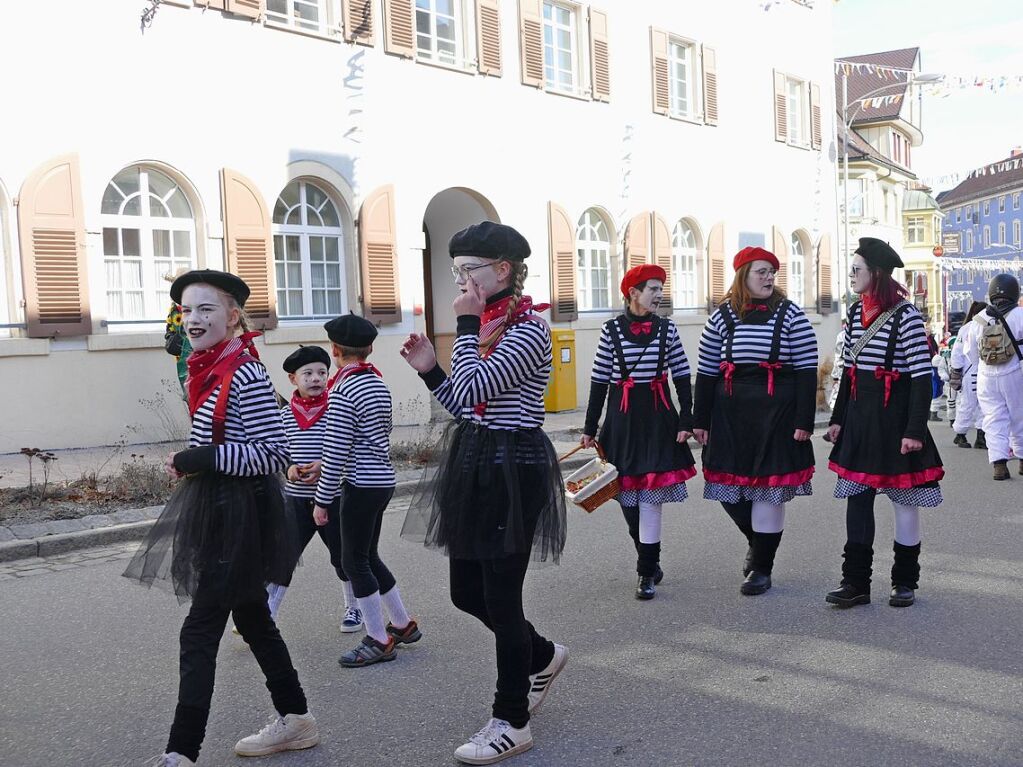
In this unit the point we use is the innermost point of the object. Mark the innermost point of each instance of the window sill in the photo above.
(105, 342)
(577, 95)
(691, 119)
(330, 37)
(468, 68)
(794, 145)
(24, 347)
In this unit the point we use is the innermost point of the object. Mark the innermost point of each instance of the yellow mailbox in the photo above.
(560, 394)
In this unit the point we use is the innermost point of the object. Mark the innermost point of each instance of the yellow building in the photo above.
(921, 223)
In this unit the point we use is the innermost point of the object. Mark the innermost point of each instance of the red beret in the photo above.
(642, 273)
(749, 255)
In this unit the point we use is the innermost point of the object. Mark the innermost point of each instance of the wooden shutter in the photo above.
(716, 264)
(600, 66)
(217, 5)
(399, 28)
(659, 70)
(710, 86)
(561, 239)
(662, 257)
(781, 252)
(815, 116)
(250, 252)
(488, 37)
(51, 225)
(781, 127)
(250, 9)
(825, 299)
(637, 241)
(531, 41)
(378, 255)
(358, 21)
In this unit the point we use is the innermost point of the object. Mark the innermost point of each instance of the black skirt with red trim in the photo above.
(869, 447)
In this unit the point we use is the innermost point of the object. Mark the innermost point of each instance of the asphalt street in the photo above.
(699, 676)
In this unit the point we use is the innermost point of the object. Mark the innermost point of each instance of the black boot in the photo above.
(856, 570)
(961, 441)
(905, 575)
(741, 514)
(1001, 470)
(758, 580)
(981, 442)
(647, 567)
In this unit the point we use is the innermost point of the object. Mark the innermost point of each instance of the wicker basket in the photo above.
(600, 490)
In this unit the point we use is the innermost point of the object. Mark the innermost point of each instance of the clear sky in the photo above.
(969, 127)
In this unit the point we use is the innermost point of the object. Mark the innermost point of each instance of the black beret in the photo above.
(229, 283)
(351, 330)
(489, 240)
(306, 355)
(878, 253)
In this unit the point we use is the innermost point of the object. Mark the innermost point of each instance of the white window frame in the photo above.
(588, 248)
(685, 265)
(305, 231)
(801, 119)
(857, 202)
(1001, 232)
(577, 40)
(959, 215)
(915, 228)
(987, 237)
(694, 83)
(1015, 200)
(153, 287)
(464, 20)
(797, 272)
(969, 240)
(987, 207)
(1001, 204)
(1016, 233)
(328, 23)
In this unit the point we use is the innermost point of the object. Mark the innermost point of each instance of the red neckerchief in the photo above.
(756, 308)
(641, 328)
(208, 368)
(871, 310)
(356, 367)
(308, 410)
(492, 323)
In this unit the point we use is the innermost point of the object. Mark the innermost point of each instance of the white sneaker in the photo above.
(540, 683)
(496, 741)
(284, 733)
(173, 759)
(352, 621)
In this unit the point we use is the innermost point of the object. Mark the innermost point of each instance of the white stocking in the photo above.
(768, 517)
(907, 524)
(649, 522)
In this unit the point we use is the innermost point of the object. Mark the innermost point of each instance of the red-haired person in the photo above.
(879, 426)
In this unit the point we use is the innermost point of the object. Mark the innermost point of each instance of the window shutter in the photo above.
(250, 252)
(710, 86)
(250, 9)
(378, 254)
(662, 257)
(637, 241)
(531, 41)
(561, 239)
(825, 300)
(815, 116)
(488, 37)
(358, 21)
(781, 252)
(659, 70)
(217, 5)
(51, 225)
(600, 65)
(781, 132)
(399, 26)
(716, 264)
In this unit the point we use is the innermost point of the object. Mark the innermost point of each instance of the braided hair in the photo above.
(519, 270)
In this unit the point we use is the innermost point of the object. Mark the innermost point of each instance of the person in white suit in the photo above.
(964, 363)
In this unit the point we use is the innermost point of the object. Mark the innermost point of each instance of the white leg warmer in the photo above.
(768, 517)
(907, 524)
(649, 522)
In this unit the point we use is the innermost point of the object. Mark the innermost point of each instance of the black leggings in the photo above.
(362, 514)
(200, 640)
(330, 533)
(859, 517)
(491, 591)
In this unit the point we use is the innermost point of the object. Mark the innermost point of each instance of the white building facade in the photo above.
(326, 150)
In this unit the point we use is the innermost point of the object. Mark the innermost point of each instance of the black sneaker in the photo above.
(407, 635)
(961, 441)
(370, 651)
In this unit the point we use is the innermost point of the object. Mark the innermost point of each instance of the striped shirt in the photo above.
(752, 342)
(912, 354)
(357, 442)
(641, 359)
(306, 446)
(254, 438)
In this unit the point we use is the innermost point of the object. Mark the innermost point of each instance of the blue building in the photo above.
(986, 212)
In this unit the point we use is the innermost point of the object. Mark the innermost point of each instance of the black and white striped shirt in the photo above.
(912, 354)
(306, 446)
(510, 381)
(641, 359)
(752, 342)
(254, 438)
(357, 442)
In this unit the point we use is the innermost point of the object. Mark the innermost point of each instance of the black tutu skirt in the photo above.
(235, 529)
(642, 440)
(494, 493)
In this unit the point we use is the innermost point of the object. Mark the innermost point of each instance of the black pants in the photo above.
(859, 517)
(330, 533)
(362, 514)
(200, 640)
(491, 590)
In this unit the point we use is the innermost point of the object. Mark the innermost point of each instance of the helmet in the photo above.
(1004, 288)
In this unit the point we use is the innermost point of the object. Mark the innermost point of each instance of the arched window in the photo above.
(593, 251)
(148, 233)
(308, 253)
(797, 271)
(684, 264)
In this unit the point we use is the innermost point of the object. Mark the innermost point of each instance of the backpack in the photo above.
(997, 345)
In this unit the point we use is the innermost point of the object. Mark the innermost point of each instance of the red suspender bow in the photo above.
(852, 380)
(641, 328)
(888, 376)
(727, 368)
(657, 385)
(626, 385)
(771, 367)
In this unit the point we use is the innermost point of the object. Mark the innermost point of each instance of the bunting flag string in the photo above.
(991, 169)
(879, 101)
(941, 88)
(986, 265)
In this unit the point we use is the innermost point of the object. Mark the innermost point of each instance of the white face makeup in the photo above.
(490, 275)
(859, 276)
(646, 301)
(205, 315)
(760, 280)
(310, 380)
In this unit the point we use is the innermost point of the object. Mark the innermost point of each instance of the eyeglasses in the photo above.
(762, 273)
(463, 272)
(853, 271)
